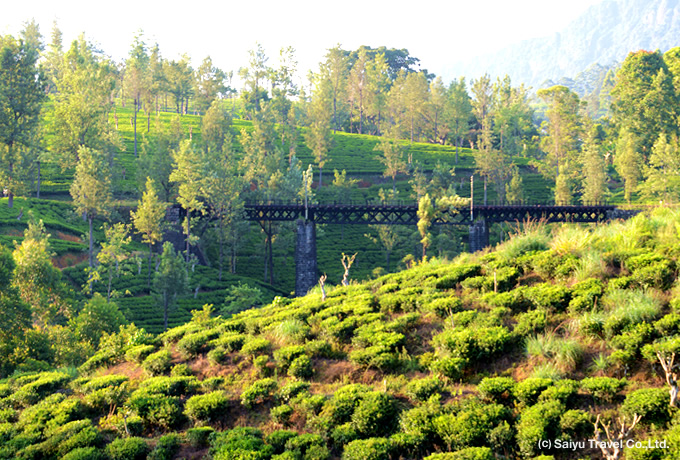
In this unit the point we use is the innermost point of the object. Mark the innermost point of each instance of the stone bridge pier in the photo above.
(479, 235)
(305, 257)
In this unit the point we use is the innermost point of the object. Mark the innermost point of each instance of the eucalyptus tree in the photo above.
(561, 144)
(336, 69)
(22, 92)
(458, 113)
(317, 135)
(148, 220)
(170, 281)
(82, 104)
(210, 84)
(137, 79)
(434, 111)
(180, 82)
(91, 190)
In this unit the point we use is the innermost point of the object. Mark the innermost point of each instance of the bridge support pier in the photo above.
(479, 235)
(305, 257)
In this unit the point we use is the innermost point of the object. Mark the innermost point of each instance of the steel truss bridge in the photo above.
(406, 214)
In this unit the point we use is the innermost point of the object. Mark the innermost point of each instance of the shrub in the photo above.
(281, 414)
(103, 358)
(563, 391)
(497, 389)
(132, 448)
(368, 449)
(198, 437)
(138, 353)
(457, 274)
(98, 383)
(285, 355)
(422, 389)
(292, 389)
(301, 367)
(256, 346)
(530, 322)
(206, 408)
(242, 442)
(449, 367)
(166, 447)
(651, 270)
(528, 390)
(651, 403)
(603, 388)
(180, 370)
(444, 306)
(375, 415)
(548, 296)
(193, 344)
(576, 424)
(470, 426)
(157, 363)
(156, 409)
(217, 355)
(311, 446)
(84, 453)
(258, 392)
(231, 342)
(538, 422)
(469, 453)
(170, 386)
(585, 294)
(278, 439)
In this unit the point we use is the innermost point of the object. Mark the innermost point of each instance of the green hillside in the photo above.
(526, 350)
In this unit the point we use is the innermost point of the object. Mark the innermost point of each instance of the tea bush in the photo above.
(497, 389)
(368, 449)
(206, 408)
(157, 363)
(375, 415)
(538, 422)
(259, 391)
(198, 437)
(301, 368)
(132, 448)
(651, 403)
(421, 390)
(166, 447)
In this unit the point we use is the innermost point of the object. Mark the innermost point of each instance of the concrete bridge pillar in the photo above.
(305, 257)
(479, 235)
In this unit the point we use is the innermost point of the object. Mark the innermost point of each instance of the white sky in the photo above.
(436, 32)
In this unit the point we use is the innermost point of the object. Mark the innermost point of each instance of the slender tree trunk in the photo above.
(165, 311)
(136, 109)
(148, 277)
(221, 246)
(10, 195)
(91, 247)
(37, 192)
(188, 248)
(320, 177)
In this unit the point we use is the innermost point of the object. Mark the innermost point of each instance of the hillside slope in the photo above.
(487, 356)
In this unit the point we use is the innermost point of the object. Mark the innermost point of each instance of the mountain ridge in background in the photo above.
(604, 34)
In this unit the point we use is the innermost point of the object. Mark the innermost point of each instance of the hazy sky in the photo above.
(436, 32)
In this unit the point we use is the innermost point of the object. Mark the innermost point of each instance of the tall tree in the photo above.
(180, 78)
(594, 181)
(156, 160)
(628, 161)
(148, 220)
(318, 134)
(378, 87)
(662, 173)
(336, 70)
(210, 84)
(561, 143)
(644, 98)
(91, 190)
(393, 159)
(434, 111)
(22, 91)
(170, 281)
(187, 173)
(459, 113)
(112, 253)
(254, 79)
(82, 104)
(137, 78)
(358, 86)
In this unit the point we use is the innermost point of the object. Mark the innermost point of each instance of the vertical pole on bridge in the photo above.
(305, 257)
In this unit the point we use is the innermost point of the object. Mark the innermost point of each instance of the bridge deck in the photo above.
(402, 214)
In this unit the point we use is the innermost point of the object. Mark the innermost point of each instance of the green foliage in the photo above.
(192, 344)
(281, 414)
(469, 453)
(244, 441)
(423, 389)
(198, 437)
(166, 447)
(301, 367)
(139, 353)
(497, 389)
(576, 424)
(259, 391)
(256, 346)
(206, 408)
(469, 426)
(530, 322)
(538, 422)
(157, 410)
(132, 448)
(375, 415)
(650, 403)
(528, 390)
(368, 449)
(157, 363)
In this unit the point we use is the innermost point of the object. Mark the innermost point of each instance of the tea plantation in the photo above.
(558, 336)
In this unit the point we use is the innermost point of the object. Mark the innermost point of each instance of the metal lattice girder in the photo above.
(408, 214)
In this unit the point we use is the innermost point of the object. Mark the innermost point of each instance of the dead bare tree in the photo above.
(322, 284)
(664, 352)
(347, 262)
(612, 446)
